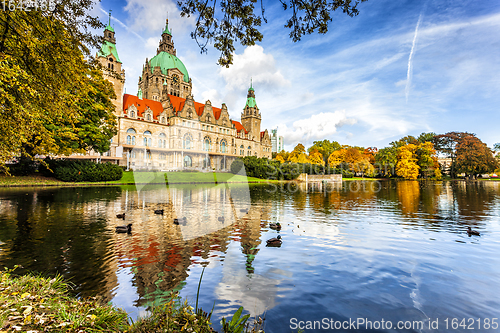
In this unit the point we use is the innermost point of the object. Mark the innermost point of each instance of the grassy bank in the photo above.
(32, 303)
(129, 177)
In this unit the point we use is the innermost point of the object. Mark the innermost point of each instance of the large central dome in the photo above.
(168, 61)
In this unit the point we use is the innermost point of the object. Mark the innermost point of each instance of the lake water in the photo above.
(362, 253)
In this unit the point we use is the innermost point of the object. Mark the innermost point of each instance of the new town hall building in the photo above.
(164, 128)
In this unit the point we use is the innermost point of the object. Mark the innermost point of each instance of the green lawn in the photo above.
(129, 177)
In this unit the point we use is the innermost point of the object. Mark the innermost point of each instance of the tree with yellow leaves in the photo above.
(53, 96)
(336, 158)
(407, 166)
(298, 155)
(315, 157)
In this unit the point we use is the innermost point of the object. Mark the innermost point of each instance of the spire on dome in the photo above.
(251, 96)
(109, 27)
(166, 31)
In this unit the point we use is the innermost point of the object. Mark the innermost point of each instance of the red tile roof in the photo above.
(157, 108)
(239, 126)
(178, 104)
(142, 105)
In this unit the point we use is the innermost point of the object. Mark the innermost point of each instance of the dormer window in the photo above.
(132, 114)
(148, 117)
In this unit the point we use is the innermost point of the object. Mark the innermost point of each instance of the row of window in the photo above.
(187, 143)
(187, 162)
(148, 117)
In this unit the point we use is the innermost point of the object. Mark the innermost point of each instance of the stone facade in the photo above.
(163, 127)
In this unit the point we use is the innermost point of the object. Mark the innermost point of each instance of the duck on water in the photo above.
(471, 232)
(124, 228)
(276, 241)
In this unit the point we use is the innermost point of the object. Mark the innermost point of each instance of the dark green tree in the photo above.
(385, 161)
(228, 21)
(426, 137)
(325, 147)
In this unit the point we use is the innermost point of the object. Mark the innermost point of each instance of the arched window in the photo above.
(187, 143)
(133, 140)
(148, 117)
(132, 114)
(223, 145)
(188, 162)
(162, 142)
(206, 144)
(148, 155)
(206, 163)
(129, 140)
(162, 120)
(147, 138)
(242, 150)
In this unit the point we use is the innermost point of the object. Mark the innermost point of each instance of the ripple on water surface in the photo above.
(397, 251)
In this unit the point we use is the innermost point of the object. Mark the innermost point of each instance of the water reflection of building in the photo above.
(160, 252)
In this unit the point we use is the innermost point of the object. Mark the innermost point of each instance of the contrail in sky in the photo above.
(123, 25)
(410, 59)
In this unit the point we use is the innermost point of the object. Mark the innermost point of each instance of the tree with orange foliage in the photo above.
(474, 157)
(370, 153)
(357, 162)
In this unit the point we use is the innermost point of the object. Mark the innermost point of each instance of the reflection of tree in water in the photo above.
(61, 231)
(409, 196)
(430, 193)
(475, 198)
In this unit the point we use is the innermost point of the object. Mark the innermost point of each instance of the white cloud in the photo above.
(318, 126)
(256, 65)
(213, 96)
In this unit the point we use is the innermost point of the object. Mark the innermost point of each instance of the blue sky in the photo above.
(399, 68)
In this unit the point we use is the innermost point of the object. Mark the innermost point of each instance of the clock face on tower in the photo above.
(175, 78)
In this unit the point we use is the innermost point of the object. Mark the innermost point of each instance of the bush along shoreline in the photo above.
(38, 304)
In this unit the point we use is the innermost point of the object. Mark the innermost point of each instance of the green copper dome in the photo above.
(168, 61)
(251, 103)
(167, 31)
(108, 48)
(110, 28)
